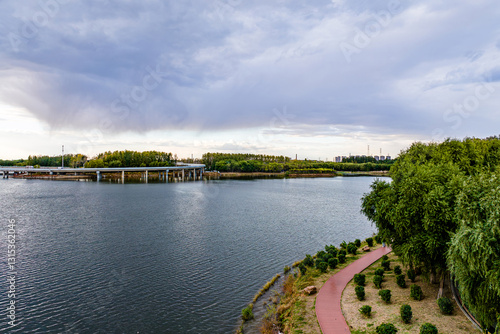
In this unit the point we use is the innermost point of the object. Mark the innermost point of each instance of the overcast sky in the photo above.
(314, 78)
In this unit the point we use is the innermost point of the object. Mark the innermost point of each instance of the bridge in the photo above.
(179, 173)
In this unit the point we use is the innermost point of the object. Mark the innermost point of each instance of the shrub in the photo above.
(352, 249)
(445, 305)
(341, 258)
(327, 257)
(385, 295)
(386, 265)
(369, 241)
(359, 279)
(342, 251)
(380, 272)
(308, 261)
(303, 269)
(332, 251)
(411, 275)
(246, 313)
(385, 258)
(397, 270)
(400, 279)
(322, 266)
(366, 310)
(377, 239)
(320, 254)
(360, 292)
(377, 280)
(386, 329)
(329, 249)
(286, 269)
(357, 242)
(428, 328)
(343, 245)
(416, 292)
(333, 263)
(406, 313)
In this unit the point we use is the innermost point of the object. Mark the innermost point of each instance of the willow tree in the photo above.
(474, 253)
(414, 213)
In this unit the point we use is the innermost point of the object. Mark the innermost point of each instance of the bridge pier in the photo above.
(183, 172)
(123, 176)
(99, 176)
(166, 175)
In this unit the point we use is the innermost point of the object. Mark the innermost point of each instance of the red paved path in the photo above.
(328, 310)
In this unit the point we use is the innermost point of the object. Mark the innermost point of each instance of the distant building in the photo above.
(382, 157)
(338, 159)
(376, 157)
(388, 157)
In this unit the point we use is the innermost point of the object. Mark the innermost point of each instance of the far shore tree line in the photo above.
(222, 162)
(246, 163)
(441, 214)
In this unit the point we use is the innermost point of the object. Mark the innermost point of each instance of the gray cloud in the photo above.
(139, 66)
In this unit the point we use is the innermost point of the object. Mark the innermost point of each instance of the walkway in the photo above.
(328, 309)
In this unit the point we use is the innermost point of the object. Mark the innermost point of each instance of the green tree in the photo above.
(474, 253)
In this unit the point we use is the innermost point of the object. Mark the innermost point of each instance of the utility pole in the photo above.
(62, 156)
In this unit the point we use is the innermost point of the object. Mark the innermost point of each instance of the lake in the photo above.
(99, 257)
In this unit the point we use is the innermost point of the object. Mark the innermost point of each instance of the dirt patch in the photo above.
(424, 311)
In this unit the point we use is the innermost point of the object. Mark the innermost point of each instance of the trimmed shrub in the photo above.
(357, 242)
(386, 265)
(369, 242)
(385, 258)
(377, 280)
(416, 292)
(303, 269)
(397, 270)
(359, 279)
(327, 257)
(343, 245)
(320, 254)
(332, 251)
(386, 328)
(360, 292)
(428, 328)
(400, 279)
(380, 272)
(445, 305)
(366, 310)
(377, 239)
(308, 261)
(385, 295)
(333, 263)
(341, 258)
(352, 249)
(411, 275)
(246, 313)
(343, 251)
(322, 266)
(406, 313)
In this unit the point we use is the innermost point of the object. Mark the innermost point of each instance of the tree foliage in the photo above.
(131, 159)
(474, 253)
(440, 212)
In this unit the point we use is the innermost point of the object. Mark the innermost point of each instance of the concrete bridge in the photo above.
(180, 172)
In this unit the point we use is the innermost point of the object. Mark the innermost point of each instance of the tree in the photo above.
(474, 253)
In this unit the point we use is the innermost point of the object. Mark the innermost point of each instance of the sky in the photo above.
(313, 78)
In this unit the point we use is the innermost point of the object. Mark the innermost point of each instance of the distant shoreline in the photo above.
(282, 175)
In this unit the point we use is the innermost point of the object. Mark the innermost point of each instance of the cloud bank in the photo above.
(386, 67)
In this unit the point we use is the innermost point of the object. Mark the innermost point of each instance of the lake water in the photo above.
(162, 258)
